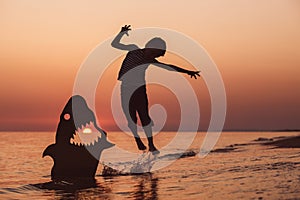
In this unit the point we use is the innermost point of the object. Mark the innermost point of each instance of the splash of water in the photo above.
(142, 164)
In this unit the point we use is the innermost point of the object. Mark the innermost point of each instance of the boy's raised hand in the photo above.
(194, 74)
(125, 29)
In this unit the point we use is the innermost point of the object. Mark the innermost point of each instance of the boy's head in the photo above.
(156, 47)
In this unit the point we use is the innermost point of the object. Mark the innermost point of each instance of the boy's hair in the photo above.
(156, 43)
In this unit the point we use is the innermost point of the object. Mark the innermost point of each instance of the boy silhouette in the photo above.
(133, 87)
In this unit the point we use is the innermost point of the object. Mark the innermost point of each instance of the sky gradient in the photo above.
(255, 44)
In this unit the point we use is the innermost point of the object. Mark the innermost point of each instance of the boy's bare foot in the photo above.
(154, 150)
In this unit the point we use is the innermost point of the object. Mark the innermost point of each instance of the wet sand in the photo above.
(285, 142)
(276, 142)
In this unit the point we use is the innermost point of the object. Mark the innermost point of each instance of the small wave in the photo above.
(19, 190)
(69, 185)
(143, 164)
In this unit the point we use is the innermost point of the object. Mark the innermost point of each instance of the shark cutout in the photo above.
(78, 144)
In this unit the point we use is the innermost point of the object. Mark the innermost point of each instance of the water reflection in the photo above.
(137, 187)
(75, 190)
(99, 192)
(146, 187)
(143, 186)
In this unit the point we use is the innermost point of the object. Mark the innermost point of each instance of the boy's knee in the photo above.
(147, 123)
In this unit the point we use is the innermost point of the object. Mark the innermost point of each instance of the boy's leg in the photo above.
(145, 118)
(148, 132)
(140, 144)
(130, 113)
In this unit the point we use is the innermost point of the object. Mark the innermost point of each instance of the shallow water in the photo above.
(249, 171)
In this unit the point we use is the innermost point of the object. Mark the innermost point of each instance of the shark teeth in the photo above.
(85, 124)
(86, 135)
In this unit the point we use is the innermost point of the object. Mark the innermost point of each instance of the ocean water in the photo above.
(238, 168)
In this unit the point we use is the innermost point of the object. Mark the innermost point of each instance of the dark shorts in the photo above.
(135, 101)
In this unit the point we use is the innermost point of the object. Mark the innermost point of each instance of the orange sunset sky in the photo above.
(255, 44)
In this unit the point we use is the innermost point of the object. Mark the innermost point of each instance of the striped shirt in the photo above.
(134, 67)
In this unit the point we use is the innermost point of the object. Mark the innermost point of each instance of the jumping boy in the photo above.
(133, 87)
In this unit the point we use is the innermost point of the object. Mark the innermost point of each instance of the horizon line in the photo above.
(225, 130)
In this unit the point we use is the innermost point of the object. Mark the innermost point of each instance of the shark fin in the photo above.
(49, 151)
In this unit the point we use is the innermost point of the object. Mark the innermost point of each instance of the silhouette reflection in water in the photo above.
(143, 186)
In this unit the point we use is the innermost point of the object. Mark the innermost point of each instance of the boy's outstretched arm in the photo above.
(170, 67)
(118, 45)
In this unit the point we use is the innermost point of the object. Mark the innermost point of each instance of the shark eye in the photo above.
(67, 116)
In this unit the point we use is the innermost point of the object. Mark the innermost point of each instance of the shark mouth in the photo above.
(86, 135)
